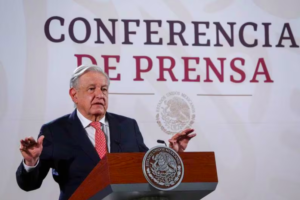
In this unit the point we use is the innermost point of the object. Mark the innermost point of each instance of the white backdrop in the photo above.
(254, 128)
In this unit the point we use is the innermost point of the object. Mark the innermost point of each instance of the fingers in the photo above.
(178, 135)
(173, 145)
(191, 135)
(188, 131)
(185, 133)
(27, 143)
(172, 141)
(24, 143)
(180, 140)
(30, 140)
(22, 148)
(40, 140)
(175, 136)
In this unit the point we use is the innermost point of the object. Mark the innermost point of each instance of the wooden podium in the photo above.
(119, 176)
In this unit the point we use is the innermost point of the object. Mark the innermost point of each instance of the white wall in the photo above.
(255, 137)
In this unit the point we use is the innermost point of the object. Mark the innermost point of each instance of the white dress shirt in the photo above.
(91, 131)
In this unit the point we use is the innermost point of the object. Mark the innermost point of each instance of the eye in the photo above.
(104, 89)
(91, 89)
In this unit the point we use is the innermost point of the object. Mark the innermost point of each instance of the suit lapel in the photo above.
(115, 133)
(80, 136)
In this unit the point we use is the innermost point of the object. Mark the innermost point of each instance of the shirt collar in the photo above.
(86, 122)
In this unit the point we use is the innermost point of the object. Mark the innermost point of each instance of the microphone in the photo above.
(161, 142)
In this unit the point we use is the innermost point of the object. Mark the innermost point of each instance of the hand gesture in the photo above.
(180, 141)
(31, 150)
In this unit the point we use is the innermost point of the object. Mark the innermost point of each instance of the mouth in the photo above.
(98, 104)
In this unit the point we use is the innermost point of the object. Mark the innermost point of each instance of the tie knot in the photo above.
(96, 125)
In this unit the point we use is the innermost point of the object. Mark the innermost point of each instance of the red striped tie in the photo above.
(100, 141)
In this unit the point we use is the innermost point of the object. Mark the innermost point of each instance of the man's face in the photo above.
(91, 95)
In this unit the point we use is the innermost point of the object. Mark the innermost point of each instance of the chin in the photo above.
(98, 112)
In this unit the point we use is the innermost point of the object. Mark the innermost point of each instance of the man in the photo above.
(73, 144)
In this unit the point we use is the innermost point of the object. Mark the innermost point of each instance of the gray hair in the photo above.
(79, 71)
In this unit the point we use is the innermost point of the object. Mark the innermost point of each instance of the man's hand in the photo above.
(31, 150)
(180, 141)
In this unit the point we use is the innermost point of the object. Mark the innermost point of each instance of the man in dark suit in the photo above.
(73, 144)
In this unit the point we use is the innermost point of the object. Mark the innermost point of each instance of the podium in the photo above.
(119, 176)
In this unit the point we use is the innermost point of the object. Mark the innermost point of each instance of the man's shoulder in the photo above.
(61, 121)
(119, 118)
(58, 121)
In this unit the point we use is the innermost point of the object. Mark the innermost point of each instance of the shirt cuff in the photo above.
(30, 168)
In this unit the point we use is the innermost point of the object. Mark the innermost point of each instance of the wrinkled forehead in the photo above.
(92, 78)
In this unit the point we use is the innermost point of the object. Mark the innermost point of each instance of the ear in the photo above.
(73, 95)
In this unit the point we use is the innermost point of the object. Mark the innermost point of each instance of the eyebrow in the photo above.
(95, 84)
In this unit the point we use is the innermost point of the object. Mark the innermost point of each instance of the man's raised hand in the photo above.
(180, 141)
(31, 150)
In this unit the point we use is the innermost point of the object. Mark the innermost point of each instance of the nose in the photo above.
(99, 93)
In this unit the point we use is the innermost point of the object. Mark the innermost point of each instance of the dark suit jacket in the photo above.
(71, 155)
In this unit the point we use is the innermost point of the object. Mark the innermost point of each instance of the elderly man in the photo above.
(72, 145)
